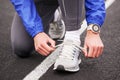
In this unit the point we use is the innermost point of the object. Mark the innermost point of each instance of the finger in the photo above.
(42, 52)
(95, 52)
(43, 49)
(47, 47)
(100, 51)
(90, 52)
(85, 50)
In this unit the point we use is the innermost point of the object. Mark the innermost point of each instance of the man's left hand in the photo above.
(93, 46)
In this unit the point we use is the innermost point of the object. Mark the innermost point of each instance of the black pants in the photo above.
(22, 43)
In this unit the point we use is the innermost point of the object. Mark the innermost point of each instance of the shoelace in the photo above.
(69, 50)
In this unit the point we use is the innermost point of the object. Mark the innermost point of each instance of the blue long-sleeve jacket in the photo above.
(95, 14)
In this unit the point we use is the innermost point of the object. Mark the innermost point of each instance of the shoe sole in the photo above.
(61, 68)
(72, 69)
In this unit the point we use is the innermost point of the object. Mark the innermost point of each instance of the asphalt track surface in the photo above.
(106, 67)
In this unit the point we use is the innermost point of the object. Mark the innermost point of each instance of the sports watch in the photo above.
(94, 28)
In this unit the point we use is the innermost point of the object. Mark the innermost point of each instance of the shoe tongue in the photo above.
(69, 47)
(68, 41)
(71, 42)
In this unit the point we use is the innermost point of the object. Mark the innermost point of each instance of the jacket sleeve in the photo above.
(27, 11)
(95, 11)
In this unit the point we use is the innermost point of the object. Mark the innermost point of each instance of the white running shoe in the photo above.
(68, 59)
(57, 27)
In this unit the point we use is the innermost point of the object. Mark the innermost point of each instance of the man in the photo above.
(30, 30)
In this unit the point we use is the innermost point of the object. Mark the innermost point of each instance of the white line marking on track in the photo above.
(41, 69)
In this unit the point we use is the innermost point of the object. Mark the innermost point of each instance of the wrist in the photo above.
(89, 33)
(38, 34)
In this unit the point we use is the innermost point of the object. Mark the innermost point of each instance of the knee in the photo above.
(22, 51)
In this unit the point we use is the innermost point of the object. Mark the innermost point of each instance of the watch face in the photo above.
(95, 28)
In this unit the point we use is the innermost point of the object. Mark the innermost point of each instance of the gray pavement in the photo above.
(106, 67)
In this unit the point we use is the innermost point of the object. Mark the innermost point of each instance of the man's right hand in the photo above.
(44, 44)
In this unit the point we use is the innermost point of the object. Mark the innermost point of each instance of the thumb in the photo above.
(85, 50)
(52, 43)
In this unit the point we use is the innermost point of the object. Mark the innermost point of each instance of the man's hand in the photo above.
(93, 46)
(44, 44)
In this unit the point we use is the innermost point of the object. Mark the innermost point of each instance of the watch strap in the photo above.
(94, 28)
